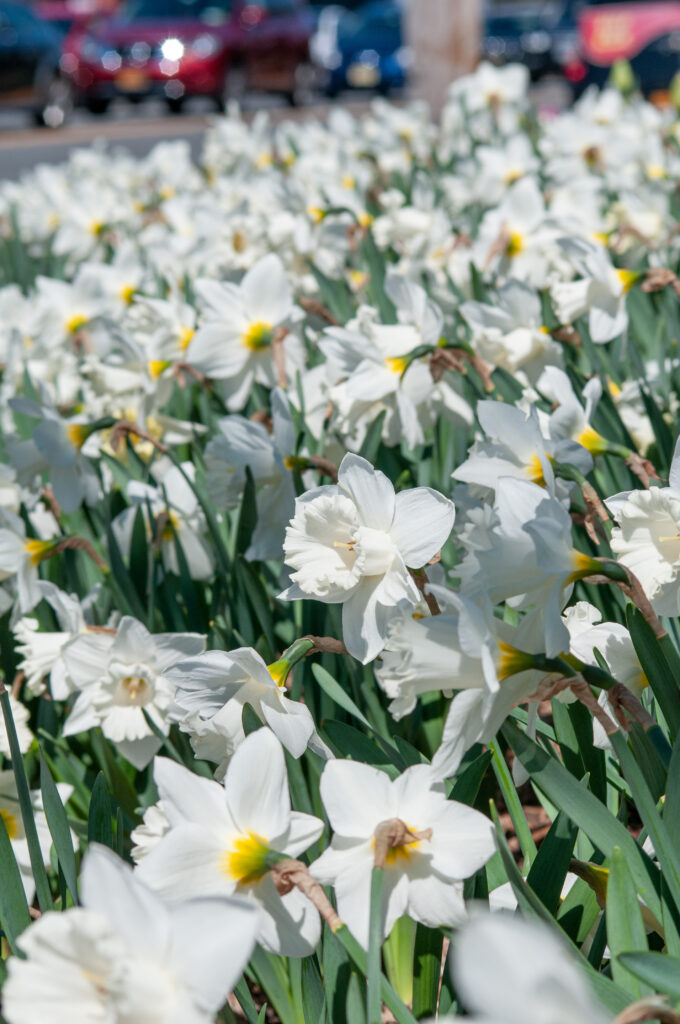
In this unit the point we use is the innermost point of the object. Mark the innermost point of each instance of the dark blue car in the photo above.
(362, 48)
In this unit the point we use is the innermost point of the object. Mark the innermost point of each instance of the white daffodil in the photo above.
(242, 444)
(570, 420)
(526, 556)
(646, 538)
(215, 687)
(445, 842)
(20, 557)
(508, 970)
(12, 820)
(223, 840)
(175, 509)
(353, 544)
(124, 956)
(234, 341)
(510, 333)
(21, 715)
(154, 826)
(41, 650)
(600, 291)
(120, 677)
(55, 448)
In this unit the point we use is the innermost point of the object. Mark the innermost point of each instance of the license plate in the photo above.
(131, 80)
(363, 75)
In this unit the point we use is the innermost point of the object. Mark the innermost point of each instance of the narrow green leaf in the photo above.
(654, 660)
(332, 688)
(247, 518)
(625, 927)
(657, 970)
(551, 865)
(59, 828)
(42, 885)
(14, 915)
(371, 442)
(99, 826)
(571, 796)
(426, 971)
(313, 1001)
(513, 802)
(671, 807)
(373, 969)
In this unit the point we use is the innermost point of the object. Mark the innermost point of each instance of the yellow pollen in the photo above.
(316, 213)
(96, 227)
(514, 174)
(397, 364)
(614, 389)
(584, 565)
(37, 549)
(263, 160)
(512, 661)
(75, 323)
(258, 335)
(365, 219)
(627, 279)
(349, 181)
(592, 441)
(185, 336)
(534, 471)
(515, 244)
(10, 822)
(136, 688)
(239, 241)
(669, 540)
(127, 293)
(246, 861)
(78, 433)
(171, 525)
(349, 546)
(655, 171)
(544, 330)
(404, 851)
(358, 278)
(156, 367)
(167, 192)
(601, 237)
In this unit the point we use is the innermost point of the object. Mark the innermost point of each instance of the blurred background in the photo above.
(77, 62)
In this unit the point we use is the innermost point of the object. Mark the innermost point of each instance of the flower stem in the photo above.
(374, 947)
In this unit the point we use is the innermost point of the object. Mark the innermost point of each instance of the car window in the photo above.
(273, 6)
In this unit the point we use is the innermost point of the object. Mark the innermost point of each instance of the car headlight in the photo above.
(204, 46)
(172, 49)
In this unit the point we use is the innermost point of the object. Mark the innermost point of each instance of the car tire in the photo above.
(57, 103)
(97, 104)
(175, 104)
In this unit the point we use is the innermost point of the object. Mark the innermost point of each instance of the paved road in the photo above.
(138, 128)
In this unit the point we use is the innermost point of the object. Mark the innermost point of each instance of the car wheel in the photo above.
(57, 103)
(97, 104)
(175, 104)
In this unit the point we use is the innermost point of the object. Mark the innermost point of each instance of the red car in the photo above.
(176, 49)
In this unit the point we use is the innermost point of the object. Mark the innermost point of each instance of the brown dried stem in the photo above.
(290, 874)
(123, 428)
(420, 579)
(391, 833)
(326, 645)
(658, 278)
(324, 466)
(315, 308)
(650, 1008)
(79, 544)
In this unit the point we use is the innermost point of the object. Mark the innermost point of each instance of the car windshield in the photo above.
(209, 11)
(363, 27)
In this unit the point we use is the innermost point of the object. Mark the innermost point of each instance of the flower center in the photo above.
(511, 661)
(515, 244)
(37, 549)
(74, 323)
(133, 691)
(584, 565)
(397, 364)
(592, 441)
(246, 861)
(534, 471)
(376, 549)
(186, 334)
(258, 335)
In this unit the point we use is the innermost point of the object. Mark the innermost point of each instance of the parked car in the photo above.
(30, 76)
(362, 48)
(647, 35)
(177, 49)
(543, 36)
(66, 15)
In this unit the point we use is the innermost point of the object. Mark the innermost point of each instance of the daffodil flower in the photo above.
(223, 839)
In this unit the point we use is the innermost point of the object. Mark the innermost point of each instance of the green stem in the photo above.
(374, 948)
(42, 885)
(513, 804)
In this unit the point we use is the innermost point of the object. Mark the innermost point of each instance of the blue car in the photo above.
(362, 48)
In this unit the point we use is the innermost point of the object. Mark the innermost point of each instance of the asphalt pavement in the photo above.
(139, 127)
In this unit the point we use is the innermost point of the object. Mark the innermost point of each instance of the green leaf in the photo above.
(371, 443)
(332, 688)
(671, 807)
(14, 915)
(466, 786)
(657, 970)
(139, 554)
(426, 971)
(313, 1000)
(247, 518)
(551, 865)
(571, 796)
(653, 658)
(99, 827)
(349, 742)
(625, 927)
(59, 828)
